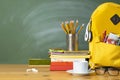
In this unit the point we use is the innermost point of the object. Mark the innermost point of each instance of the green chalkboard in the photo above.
(28, 28)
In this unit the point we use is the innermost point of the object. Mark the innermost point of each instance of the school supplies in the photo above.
(72, 30)
(76, 24)
(105, 22)
(78, 30)
(71, 27)
(62, 60)
(63, 27)
(67, 27)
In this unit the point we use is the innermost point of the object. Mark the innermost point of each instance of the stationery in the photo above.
(71, 27)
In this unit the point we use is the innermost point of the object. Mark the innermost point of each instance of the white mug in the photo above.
(80, 66)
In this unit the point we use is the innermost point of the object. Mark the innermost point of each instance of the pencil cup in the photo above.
(72, 42)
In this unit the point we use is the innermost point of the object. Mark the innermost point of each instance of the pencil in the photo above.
(80, 28)
(67, 27)
(76, 24)
(63, 27)
(72, 27)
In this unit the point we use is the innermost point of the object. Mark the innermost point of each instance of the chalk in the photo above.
(32, 70)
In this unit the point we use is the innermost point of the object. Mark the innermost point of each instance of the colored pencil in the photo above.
(67, 27)
(72, 27)
(80, 28)
(63, 27)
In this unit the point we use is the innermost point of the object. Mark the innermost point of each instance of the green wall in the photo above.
(28, 28)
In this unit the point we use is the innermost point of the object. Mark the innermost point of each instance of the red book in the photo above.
(61, 66)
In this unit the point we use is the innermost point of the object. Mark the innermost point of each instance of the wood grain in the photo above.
(18, 72)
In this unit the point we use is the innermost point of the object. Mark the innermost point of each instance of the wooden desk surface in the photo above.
(18, 72)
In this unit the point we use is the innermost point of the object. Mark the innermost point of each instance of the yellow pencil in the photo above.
(67, 27)
(72, 27)
(63, 27)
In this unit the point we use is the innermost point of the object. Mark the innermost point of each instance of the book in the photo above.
(64, 60)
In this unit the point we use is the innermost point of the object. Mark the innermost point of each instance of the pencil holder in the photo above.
(72, 42)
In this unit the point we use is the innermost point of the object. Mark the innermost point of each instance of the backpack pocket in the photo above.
(106, 54)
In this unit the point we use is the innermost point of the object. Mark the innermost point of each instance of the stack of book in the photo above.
(63, 60)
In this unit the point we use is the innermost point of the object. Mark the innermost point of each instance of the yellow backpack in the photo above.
(102, 32)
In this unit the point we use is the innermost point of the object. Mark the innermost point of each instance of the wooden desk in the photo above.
(18, 72)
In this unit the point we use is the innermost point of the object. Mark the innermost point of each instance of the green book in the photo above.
(39, 62)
